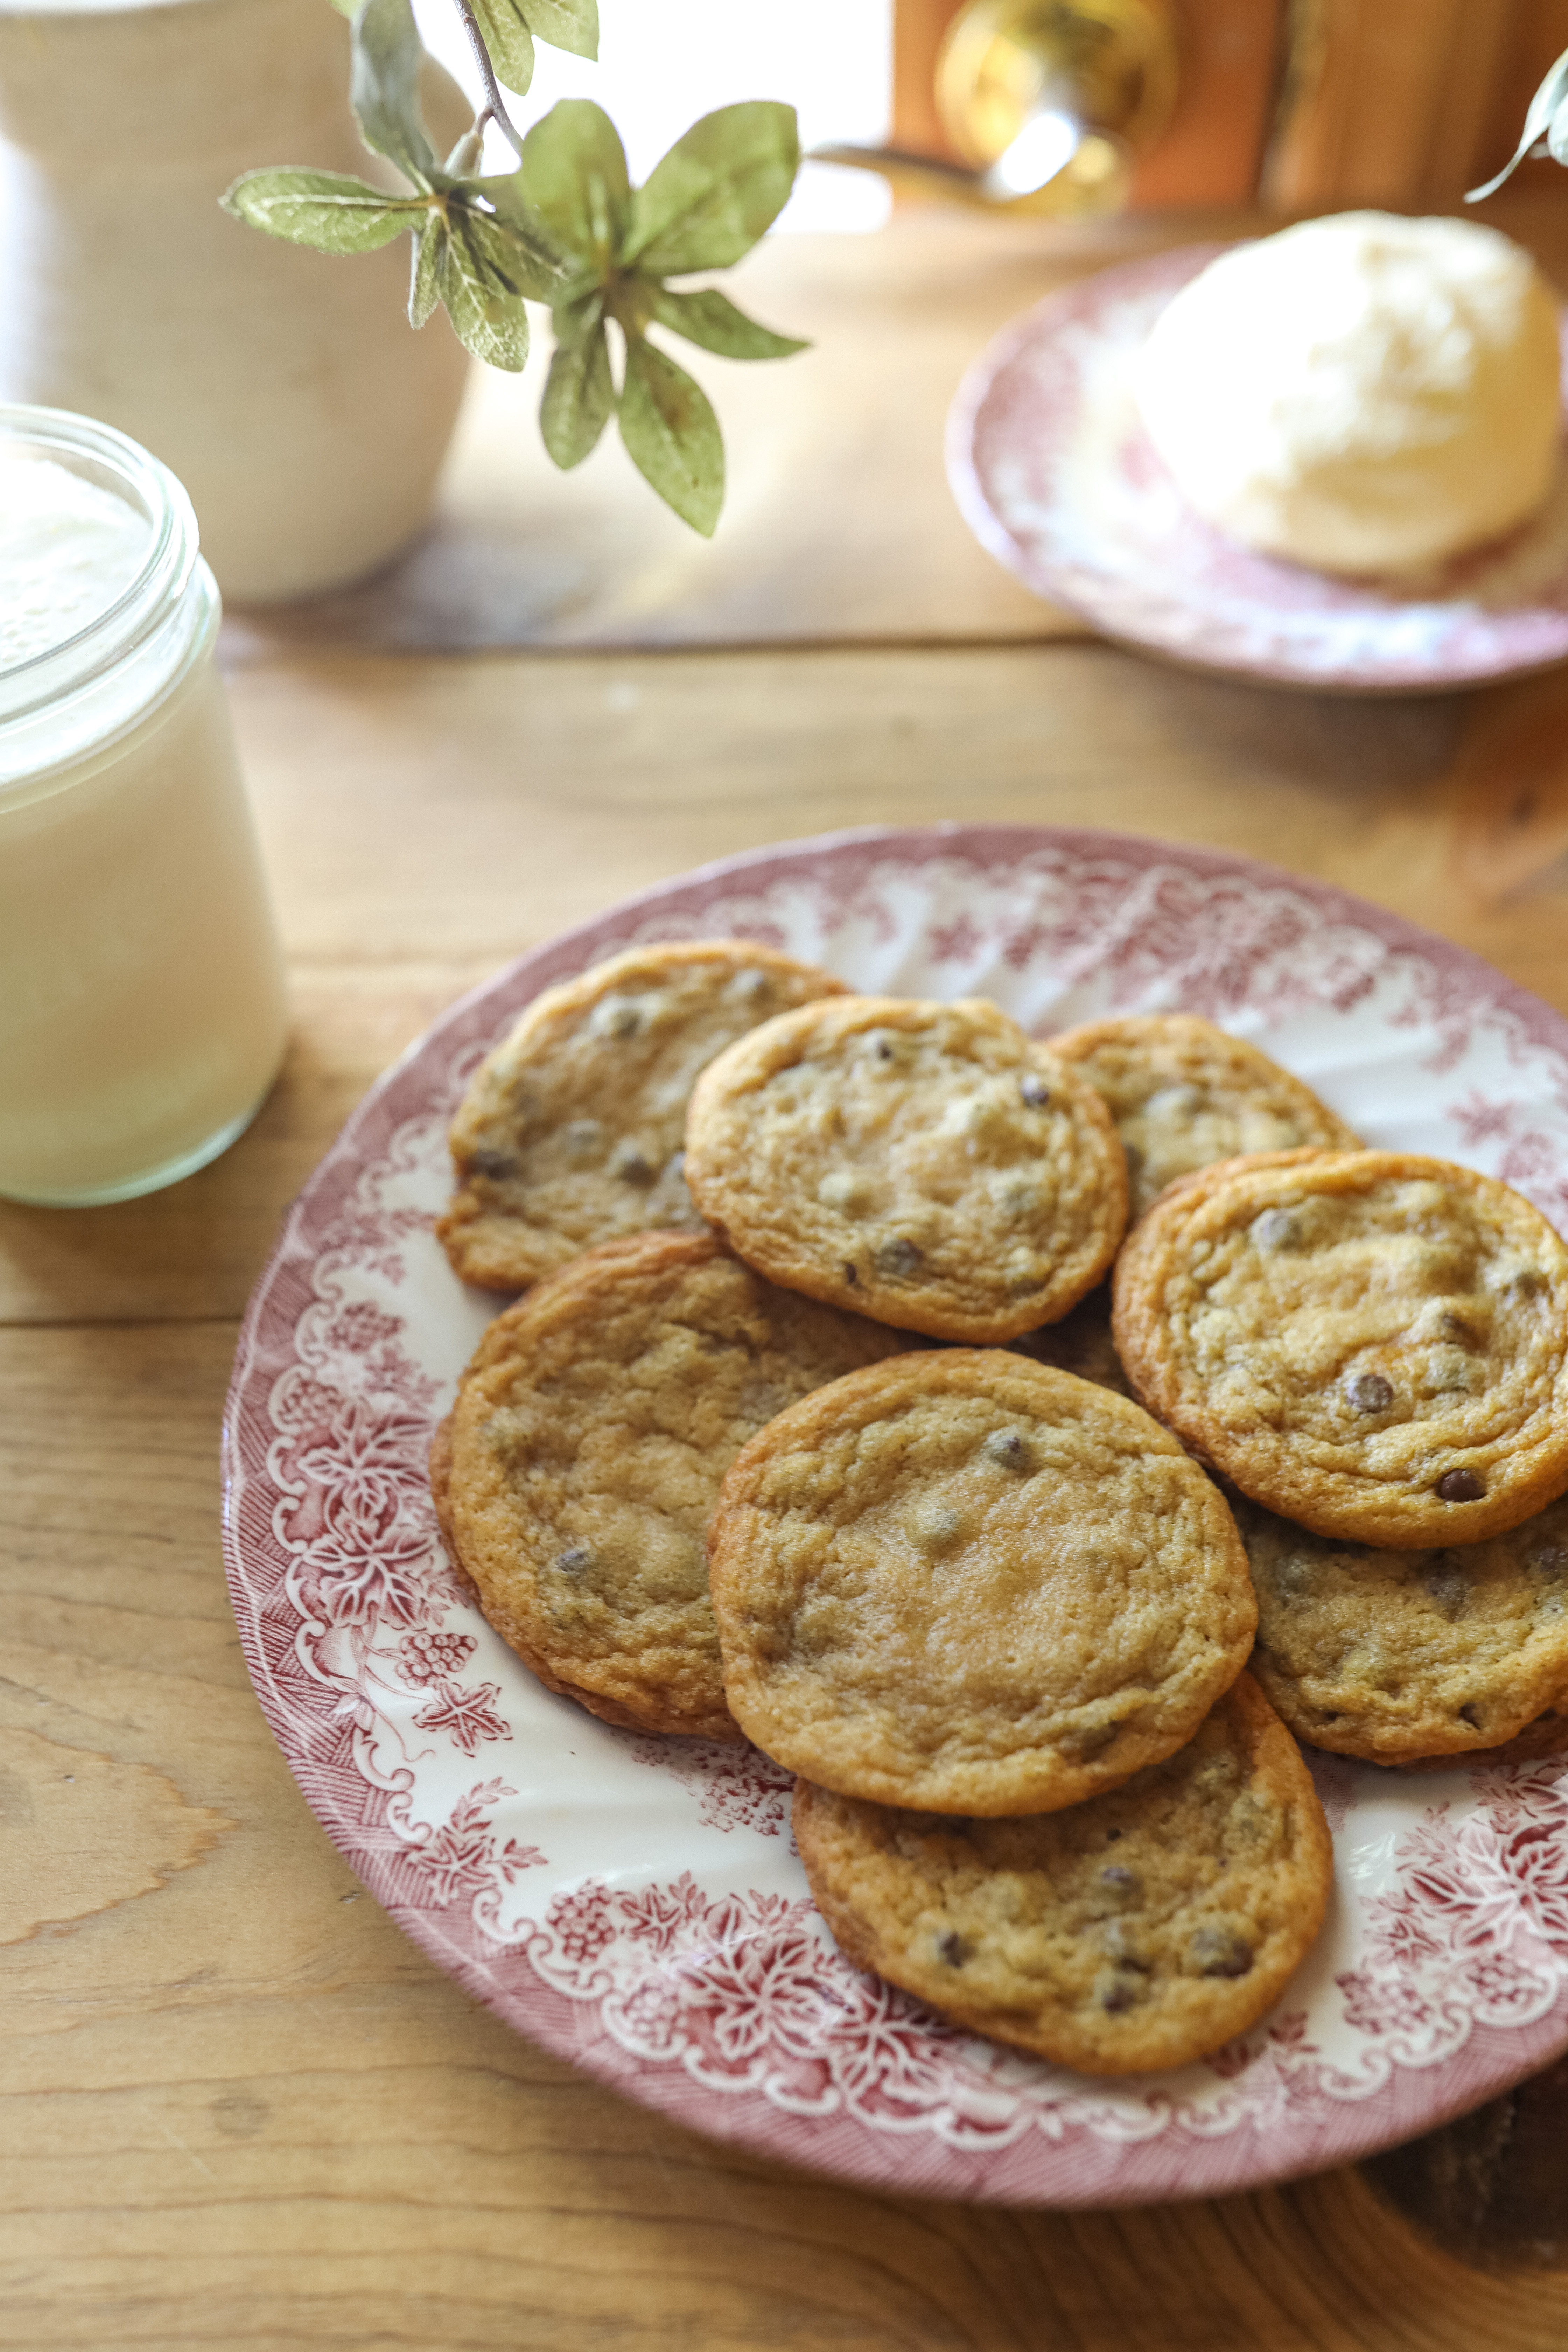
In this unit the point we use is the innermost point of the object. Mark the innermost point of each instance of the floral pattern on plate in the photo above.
(637, 1904)
(1057, 479)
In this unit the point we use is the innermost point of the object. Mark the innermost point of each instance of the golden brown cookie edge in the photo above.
(1273, 1750)
(1137, 1327)
(706, 1166)
(538, 1307)
(493, 1251)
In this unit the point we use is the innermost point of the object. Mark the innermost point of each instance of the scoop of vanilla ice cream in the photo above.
(1362, 393)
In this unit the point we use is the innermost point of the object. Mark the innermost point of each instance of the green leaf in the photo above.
(524, 250)
(483, 297)
(325, 209)
(578, 306)
(425, 269)
(344, 8)
(720, 188)
(573, 180)
(463, 161)
(510, 263)
(1547, 117)
(383, 87)
(504, 29)
(566, 25)
(672, 435)
(711, 320)
(579, 396)
(507, 195)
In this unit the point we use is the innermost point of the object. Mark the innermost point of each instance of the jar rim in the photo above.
(101, 454)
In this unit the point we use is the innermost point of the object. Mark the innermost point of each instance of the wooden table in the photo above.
(241, 2110)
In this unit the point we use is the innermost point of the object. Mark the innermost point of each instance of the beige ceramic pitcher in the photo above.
(283, 387)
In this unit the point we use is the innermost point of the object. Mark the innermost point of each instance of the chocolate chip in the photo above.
(1220, 1952)
(884, 1048)
(953, 1948)
(1114, 1992)
(1527, 1284)
(1034, 1091)
(618, 1019)
(1460, 1486)
(1455, 1328)
(1119, 1943)
(900, 1256)
(573, 1559)
(1124, 1884)
(1273, 1229)
(1112, 1836)
(631, 1166)
(496, 1165)
(850, 1277)
(1472, 1715)
(1007, 1448)
(1370, 1392)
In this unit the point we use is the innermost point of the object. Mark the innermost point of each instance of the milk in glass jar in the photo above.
(142, 1003)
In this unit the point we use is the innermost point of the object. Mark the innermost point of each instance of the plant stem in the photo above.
(494, 108)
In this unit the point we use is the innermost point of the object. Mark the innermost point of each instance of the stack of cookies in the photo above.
(819, 1423)
(1370, 1348)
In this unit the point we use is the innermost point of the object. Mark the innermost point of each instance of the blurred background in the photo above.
(1297, 104)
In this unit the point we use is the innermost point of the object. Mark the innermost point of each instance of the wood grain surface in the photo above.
(837, 520)
(838, 524)
(239, 2110)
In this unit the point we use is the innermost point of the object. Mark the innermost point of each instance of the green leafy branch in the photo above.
(566, 228)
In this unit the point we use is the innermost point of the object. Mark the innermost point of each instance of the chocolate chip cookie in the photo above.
(571, 1132)
(1540, 1742)
(586, 1450)
(967, 1582)
(926, 1163)
(1143, 1929)
(1183, 1095)
(1394, 1655)
(1371, 1343)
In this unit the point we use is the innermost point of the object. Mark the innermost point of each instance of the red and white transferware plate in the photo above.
(635, 1902)
(1057, 479)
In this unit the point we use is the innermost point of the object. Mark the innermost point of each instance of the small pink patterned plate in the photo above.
(635, 1904)
(1057, 479)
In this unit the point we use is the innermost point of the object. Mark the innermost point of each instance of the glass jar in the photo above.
(142, 998)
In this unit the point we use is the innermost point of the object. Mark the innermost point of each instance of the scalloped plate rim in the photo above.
(1038, 576)
(884, 2161)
